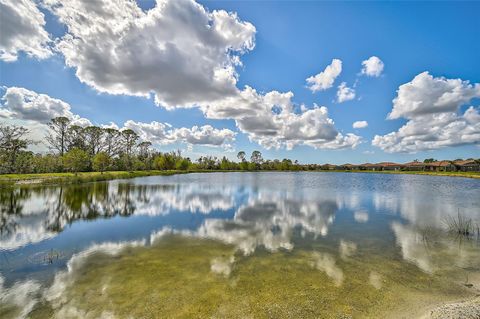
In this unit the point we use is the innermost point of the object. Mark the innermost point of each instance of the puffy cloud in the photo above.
(373, 66)
(324, 80)
(270, 120)
(431, 106)
(427, 95)
(431, 132)
(163, 133)
(22, 29)
(186, 56)
(344, 93)
(178, 50)
(360, 124)
(23, 104)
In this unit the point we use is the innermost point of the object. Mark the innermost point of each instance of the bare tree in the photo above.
(111, 144)
(75, 138)
(93, 139)
(57, 138)
(143, 149)
(129, 141)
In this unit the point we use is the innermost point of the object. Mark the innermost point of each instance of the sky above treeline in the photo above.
(308, 80)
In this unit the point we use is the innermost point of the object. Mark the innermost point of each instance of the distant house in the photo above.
(390, 166)
(467, 166)
(414, 166)
(348, 167)
(371, 167)
(364, 166)
(440, 166)
(329, 167)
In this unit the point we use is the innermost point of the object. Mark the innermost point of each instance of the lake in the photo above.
(259, 245)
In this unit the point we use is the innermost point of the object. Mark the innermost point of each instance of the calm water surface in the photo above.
(262, 245)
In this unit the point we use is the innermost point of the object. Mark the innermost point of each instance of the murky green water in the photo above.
(226, 245)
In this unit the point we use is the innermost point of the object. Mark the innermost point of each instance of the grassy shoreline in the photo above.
(71, 178)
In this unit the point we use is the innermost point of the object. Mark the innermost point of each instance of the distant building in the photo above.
(330, 167)
(440, 166)
(436, 166)
(414, 166)
(349, 167)
(467, 166)
(371, 167)
(390, 166)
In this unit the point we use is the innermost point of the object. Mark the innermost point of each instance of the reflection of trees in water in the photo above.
(11, 203)
(34, 214)
(60, 206)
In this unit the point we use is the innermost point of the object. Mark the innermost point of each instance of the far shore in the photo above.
(81, 177)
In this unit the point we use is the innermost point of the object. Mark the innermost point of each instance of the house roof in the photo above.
(389, 164)
(439, 163)
(414, 164)
(465, 162)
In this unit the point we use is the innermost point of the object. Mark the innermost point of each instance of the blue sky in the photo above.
(292, 42)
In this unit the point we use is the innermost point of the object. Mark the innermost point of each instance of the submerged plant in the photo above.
(461, 225)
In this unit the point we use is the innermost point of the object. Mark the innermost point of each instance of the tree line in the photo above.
(75, 148)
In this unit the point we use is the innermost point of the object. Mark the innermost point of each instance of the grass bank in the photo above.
(71, 178)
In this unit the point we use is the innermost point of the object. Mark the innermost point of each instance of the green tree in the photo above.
(241, 156)
(183, 164)
(101, 162)
(225, 164)
(12, 143)
(164, 161)
(76, 160)
(256, 159)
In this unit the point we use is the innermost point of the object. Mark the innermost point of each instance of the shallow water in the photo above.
(262, 245)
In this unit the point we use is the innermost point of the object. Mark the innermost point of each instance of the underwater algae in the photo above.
(185, 277)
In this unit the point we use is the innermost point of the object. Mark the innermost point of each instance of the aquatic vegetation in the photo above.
(184, 277)
(462, 226)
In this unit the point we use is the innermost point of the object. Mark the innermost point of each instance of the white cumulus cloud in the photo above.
(23, 104)
(163, 134)
(324, 80)
(432, 107)
(373, 67)
(426, 94)
(186, 56)
(271, 121)
(360, 124)
(178, 50)
(22, 29)
(344, 93)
